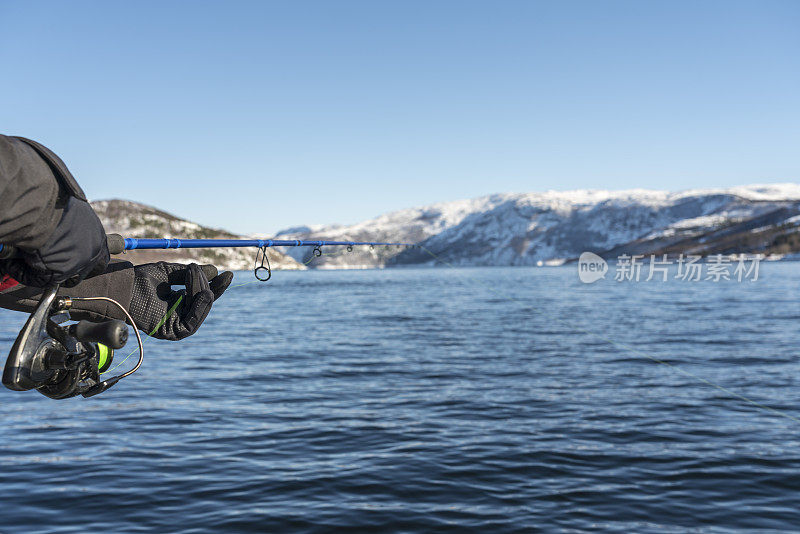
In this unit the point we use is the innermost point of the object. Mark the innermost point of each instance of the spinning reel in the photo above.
(65, 361)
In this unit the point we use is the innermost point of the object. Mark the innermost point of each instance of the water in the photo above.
(432, 400)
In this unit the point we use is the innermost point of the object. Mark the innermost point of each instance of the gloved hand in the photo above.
(153, 297)
(145, 291)
(76, 249)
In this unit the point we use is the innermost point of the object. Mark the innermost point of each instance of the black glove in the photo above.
(153, 297)
(145, 291)
(76, 249)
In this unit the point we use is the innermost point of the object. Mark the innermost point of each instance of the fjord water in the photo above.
(485, 399)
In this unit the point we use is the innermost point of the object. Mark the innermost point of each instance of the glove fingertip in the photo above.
(209, 270)
(220, 283)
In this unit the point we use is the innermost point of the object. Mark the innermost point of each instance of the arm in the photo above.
(44, 213)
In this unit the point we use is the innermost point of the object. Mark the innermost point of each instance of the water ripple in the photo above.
(478, 399)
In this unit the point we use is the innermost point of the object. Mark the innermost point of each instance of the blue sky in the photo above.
(254, 116)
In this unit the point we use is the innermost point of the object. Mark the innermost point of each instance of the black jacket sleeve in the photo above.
(31, 197)
(44, 213)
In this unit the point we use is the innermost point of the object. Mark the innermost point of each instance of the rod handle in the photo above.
(116, 243)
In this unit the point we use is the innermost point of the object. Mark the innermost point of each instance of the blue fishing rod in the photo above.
(262, 271)
(118, 245)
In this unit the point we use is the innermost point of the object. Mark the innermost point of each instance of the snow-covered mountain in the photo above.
(413, 225)
(132, 219)
(513, 229)
(552, 227)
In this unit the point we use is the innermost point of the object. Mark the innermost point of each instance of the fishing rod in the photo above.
(128, 243)
(119, 245)
(66, 361)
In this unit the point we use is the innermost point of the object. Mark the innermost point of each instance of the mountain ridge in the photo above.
(555, 226)
(537, 228)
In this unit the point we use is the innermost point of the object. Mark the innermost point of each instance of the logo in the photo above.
(591, 267)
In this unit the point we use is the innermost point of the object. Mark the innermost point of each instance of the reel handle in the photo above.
(113, 333)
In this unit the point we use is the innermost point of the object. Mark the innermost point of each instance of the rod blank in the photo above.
(141, 244)
(118, 244)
